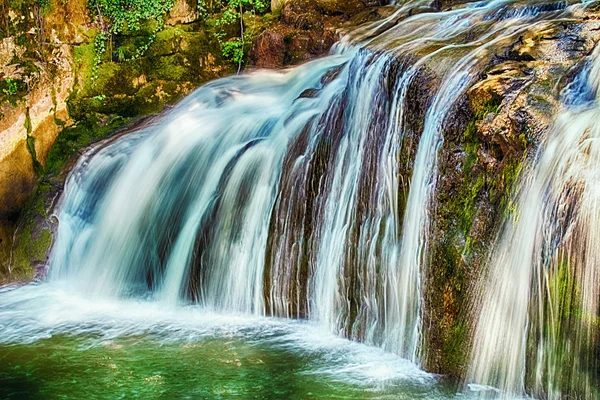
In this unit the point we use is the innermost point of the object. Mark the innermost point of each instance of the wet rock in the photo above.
(500, 122)
(307, 29)
(309, 94)
(302, 14)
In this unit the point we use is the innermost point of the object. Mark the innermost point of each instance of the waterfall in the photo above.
(289, 193)
(540, 306)
(183, 207)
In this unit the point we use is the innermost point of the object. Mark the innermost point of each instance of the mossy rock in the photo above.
(32, 239)
(179, 59)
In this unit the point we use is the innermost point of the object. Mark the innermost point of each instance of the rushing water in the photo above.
(277, 195)
(544, 282)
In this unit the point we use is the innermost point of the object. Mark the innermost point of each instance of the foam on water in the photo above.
(35, 312)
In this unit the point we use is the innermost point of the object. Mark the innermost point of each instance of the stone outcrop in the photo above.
(497, 126)
(36, 77)
(306, 30)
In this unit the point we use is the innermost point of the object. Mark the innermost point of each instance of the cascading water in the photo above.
(301, 167)
(289, 194)
(543, 288)
(196, 193)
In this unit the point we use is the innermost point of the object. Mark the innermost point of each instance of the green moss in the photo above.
(471, 144)
(171, 68)
(168, 41)
(508, 179)
(40, 246)
(467, 217)
(21, 268)
(152, 97)
(9, 86)
(470, 191)
(29, 250)
(12, 91)
(37, 205)
(492, 106)
(180, 59)
(497, 187)
(570, 354)
(73, 138)
(468, 202)
(454, 346)
(83, 57)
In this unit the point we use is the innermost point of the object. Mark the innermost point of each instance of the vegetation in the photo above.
(235, 48)
(466, 217)
(11, 87)
(127, 16)
(131, 17)
(10, 90)
(118, 17)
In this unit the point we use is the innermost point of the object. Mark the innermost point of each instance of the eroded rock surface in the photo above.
(501, 122)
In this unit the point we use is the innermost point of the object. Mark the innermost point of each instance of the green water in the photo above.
(137, 367)
(57, 345)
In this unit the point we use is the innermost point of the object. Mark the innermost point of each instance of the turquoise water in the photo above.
(58, 345)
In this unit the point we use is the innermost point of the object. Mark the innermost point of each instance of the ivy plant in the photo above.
(12, 87)
(125, 16)
(122, 16)
(117, 17)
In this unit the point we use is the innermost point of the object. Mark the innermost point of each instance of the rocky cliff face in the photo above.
(490, 134)
(504, 118)
(36, 77)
